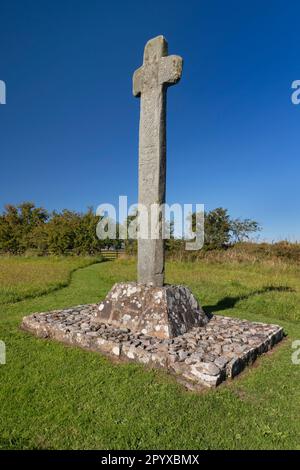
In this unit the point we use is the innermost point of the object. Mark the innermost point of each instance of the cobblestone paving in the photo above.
(205, 355)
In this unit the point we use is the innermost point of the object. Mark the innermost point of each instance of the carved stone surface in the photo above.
(148, 322)
(150, 82)
(164, 312)
(204, 356)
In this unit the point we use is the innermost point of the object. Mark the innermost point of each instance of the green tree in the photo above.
(241, 230)
(220, 230)
(86, 240)
(17, 224)
(62, 229)
(217, 228)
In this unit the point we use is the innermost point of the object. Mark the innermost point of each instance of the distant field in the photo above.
(57, 397)
(27, 277)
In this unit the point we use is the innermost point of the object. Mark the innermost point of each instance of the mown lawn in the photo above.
(21, 277)
(58, 397)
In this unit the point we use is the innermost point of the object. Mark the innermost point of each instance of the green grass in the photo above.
(21, 278)
(59, 397)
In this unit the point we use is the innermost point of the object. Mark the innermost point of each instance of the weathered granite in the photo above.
(205, 355)
(164, 312)
(150, 82)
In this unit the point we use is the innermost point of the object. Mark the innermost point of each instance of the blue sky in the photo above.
(69, 130)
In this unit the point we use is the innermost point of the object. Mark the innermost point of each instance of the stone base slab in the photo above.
(203, 356)
(164, 312)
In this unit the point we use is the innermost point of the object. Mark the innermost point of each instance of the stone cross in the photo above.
(150, 82)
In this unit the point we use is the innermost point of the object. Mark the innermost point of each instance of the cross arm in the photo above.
(170, 69)
(137, 81)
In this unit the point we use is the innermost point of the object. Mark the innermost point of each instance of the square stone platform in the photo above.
(205, 355)
(165, 312)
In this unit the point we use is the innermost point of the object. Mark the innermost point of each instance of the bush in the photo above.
(28, 229)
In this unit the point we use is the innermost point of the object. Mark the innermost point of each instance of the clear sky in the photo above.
(69, 130)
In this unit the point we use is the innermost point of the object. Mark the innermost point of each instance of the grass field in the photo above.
(21, 277)
(57, 397)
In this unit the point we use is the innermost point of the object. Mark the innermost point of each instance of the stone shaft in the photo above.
(150, 83)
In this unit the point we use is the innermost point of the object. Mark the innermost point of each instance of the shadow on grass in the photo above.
(230, 302)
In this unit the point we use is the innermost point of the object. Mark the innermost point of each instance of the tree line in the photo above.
(25, 228)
